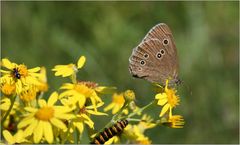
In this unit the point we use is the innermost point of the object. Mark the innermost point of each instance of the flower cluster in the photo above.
(70, 110)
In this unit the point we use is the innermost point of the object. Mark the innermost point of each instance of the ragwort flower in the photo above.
(80, 92)
(19, 137)
(42, 86)
(83, 116)
(5, 104)
(40, 122)
(8, 87)
(117, 103)
(135, 133)
(28, 95)
(69, 69)
(168, 99)
(174, 121)
(20, 74)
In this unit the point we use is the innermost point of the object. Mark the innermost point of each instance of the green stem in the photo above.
(74, 78)
(8, 112)
(134, 119)
(76, 136)
(67, 133)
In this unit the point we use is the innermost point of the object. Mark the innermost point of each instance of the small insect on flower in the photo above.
(108, 133)
(19, 74)
(16, 73)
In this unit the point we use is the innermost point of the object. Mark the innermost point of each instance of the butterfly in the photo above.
(155, 58)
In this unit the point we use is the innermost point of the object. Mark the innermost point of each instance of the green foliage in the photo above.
(206, 35)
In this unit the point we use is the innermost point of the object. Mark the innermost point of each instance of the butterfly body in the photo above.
(155, 58)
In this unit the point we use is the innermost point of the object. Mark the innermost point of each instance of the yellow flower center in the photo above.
(89, 84)
(23, 70)
(45, 113)
(118, 99)
(28, 95)
(8, 89)
(173, 100)
(20, 71)
(87, 92)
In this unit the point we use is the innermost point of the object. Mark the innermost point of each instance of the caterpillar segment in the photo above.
(108, 133)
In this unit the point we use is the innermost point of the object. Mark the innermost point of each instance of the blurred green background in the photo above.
(206, 36)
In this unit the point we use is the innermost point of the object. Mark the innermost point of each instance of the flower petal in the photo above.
(6, 63)
(81, 62)
(161, 96)
(164, 109)
(67, 86)
(116, 109)
(47, 131)
(52, 99)
(35, 69)
(95, 112)
(42, 103)
(38, 132)
(109, 107)
(163, 101)
(25, 122)
(7, 135)
(29, 130)
(19, 136)
(79, 126)
(59, 124)
(30, 109)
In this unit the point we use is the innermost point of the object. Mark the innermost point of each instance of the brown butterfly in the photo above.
(155, 58)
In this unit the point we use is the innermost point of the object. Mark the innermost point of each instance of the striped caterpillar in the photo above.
(108, 133)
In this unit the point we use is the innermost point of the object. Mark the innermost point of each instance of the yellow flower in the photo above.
(168, 100)
(19, 74)
(83, 117)
(146, 123)
(8, 88)
(69, 69)
(28, 95)
(40, 122)
(16, 139)
(174, 121)
(143, 140)
(135, 133)
(5, 104)
(42, 86)
(117, 103)
(113, 140)
(80, 92)
(129, 95)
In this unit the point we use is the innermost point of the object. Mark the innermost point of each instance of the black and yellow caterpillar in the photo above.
(110, 132)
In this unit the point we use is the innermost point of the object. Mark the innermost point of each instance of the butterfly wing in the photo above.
(163, 33)
(153, 61)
